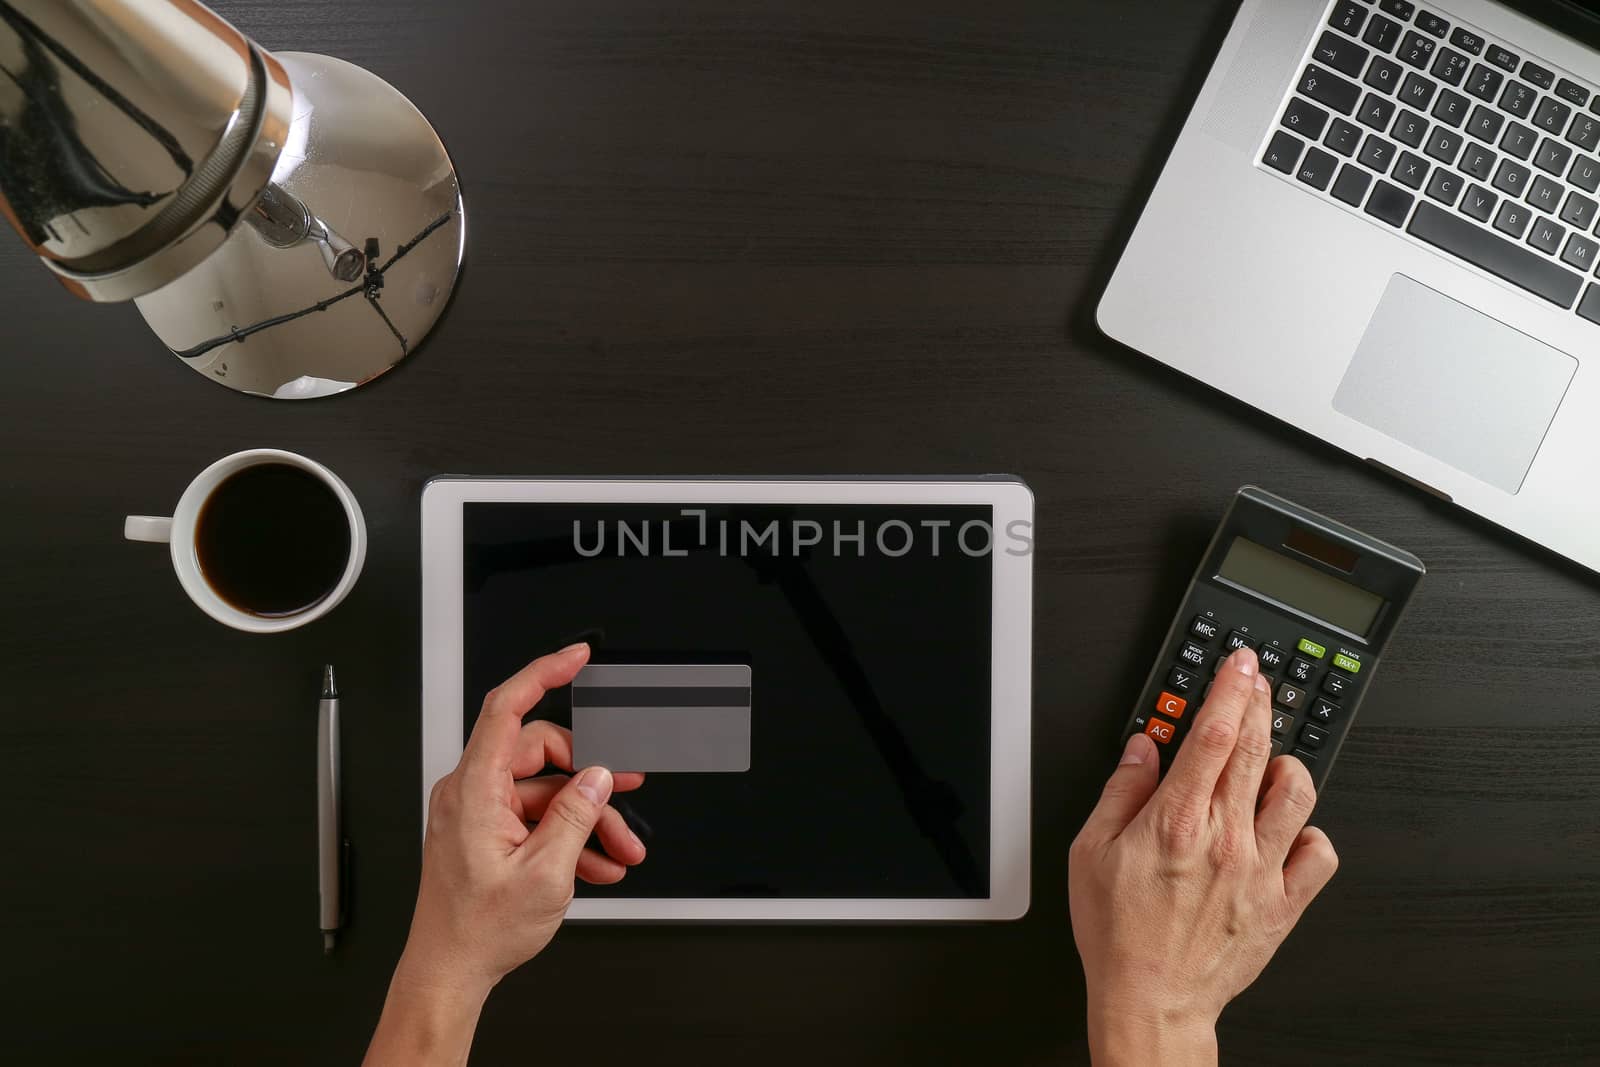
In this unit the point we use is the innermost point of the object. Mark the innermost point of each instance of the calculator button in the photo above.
(1311, 648)
(1204, 628)
(1182, 681)
(1237, 640)
(1282, 722)
(1161, 731)
(1302, 670)
(1217, 665)
(1290, 697)
(1308, 758)
(1337, 685)
(1272, 658)
(1193, 654)
(1311, 737)
(1324, 711)
(1347, 663)
(1171, 704)
(1277, 747)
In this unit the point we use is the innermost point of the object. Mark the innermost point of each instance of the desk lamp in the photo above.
(288, 224)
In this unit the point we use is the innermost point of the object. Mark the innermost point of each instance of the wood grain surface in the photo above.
(740, 237)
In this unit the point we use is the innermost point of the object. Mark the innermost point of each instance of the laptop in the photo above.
(1380, 225)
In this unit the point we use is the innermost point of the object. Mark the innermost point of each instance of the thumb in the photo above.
(567, 823)
(1129, 789)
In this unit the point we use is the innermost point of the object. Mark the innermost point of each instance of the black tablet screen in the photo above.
(867, 632)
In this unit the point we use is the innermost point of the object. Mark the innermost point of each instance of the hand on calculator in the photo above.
(1182, 888)
(495, 889)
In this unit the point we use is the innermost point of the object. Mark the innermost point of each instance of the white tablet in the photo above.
(828, 683)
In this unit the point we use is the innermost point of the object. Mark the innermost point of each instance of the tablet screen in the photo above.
(866, 630)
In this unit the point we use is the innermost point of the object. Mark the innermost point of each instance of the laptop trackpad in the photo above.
(1447, 380)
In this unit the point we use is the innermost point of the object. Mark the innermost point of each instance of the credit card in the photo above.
(691, 718)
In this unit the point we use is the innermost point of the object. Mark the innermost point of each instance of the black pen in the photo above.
(330, 842)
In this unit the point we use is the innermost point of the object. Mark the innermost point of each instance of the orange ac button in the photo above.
(1169, 704)
(1161, 731)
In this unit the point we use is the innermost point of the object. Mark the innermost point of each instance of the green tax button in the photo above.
(1311, 648)
(1345, 663)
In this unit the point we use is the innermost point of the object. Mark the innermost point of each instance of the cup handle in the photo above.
(149, 528)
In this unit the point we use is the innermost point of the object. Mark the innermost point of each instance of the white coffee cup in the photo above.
(179, 532)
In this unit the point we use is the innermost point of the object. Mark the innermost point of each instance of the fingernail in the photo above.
(1262, 685)
(1244, 661)
(636, 840)
(1135, 753)
(595, 785)
(573, 647)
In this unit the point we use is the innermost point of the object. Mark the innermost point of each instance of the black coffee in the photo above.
(272, 540)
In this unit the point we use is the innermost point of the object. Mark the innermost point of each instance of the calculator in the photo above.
(1316, 600)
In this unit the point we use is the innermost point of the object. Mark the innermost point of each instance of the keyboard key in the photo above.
(1518, 99)
(1585, 174)
(1381, 33)
(1451, 108)
(1417, 50)
(1545, 194)
(1376, 112)
(1180, 680)
(1161, 730)
(1291, 697)
(1377, 154)
(1485, 124)
(1485, 82)
(1572, 92)
(1513, 219)
(1417, 92)
(1512, 178)
(1590, 308)
(1192, 654)
(1329, 89)
(1410, 128)
(1283, 152)
(1306, 756)
(1282, 722)
(1204, 628)
(1390, 204)
(1544, 79)
(1301, 671)
(1351, 186)
(1445, 187)
(1348, 16)
(1271, 657)
(1553, 157)
(1343, 137)
(1336, 684)
(1236, 640)
(1444, 146)
(1581, 253)
(1552, 115)
(1383, 75)
(1478, 161)
(1341, 53)
(1503, 259)
(1467, 41)
(1519, 141)
(1323, 710)
(1316, 170)
(1411, 171)
(1579, 212)
(1304, 118)
(1479, 204)
(1503, 58)
(1428, 22)
(1312, 737)
(1450, 66)
(1547, 236)
(1585, 132)
(1400, 9)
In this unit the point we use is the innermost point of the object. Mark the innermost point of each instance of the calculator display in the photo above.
(1297, 585)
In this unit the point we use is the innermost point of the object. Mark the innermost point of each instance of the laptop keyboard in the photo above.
(1465, 143)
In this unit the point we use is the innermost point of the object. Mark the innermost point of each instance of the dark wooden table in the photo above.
(748, 236)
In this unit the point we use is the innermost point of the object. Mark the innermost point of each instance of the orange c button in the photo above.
(1168, 704)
